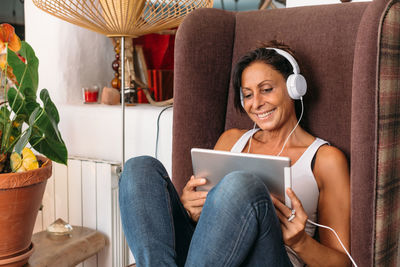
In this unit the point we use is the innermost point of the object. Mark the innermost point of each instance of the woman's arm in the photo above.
(332, 174)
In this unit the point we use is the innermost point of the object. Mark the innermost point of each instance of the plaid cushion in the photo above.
(387, 221)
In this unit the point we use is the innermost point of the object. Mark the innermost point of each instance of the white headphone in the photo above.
(296, 83)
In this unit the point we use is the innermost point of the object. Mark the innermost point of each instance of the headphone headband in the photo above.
(289, 57)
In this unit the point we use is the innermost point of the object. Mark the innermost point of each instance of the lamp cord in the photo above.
(158, 128)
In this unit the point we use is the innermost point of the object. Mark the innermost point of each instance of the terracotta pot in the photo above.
(17, 261)
(20, 199)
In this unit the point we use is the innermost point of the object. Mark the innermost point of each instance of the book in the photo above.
(140, 65)
(161, 84)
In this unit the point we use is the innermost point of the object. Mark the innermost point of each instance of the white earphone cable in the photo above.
(251, 137)
(337, 236)
(301, 116)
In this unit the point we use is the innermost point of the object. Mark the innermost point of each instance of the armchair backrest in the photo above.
(348, 53)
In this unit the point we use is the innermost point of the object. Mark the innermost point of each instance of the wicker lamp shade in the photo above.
(118, 18)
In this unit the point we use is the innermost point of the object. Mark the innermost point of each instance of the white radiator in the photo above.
(86, 194)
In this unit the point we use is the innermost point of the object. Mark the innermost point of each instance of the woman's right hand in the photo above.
(193, 200)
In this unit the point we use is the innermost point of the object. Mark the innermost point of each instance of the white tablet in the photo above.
(214, 165)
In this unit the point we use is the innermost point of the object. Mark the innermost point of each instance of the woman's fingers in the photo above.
(281, 207)
(194, 182)
(296, 203)
(197, 202)
(297, 206)
(194, 195)
(192, 200)
(282, 218)
(284, 213)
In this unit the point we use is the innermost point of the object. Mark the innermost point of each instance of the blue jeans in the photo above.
(237, 227)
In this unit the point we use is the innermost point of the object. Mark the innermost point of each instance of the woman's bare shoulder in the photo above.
(228, 139)
(331, 165)
(330, 156)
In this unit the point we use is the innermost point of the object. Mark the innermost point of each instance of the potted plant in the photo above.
(24, 124)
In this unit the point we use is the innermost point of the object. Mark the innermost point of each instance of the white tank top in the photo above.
(303, 184)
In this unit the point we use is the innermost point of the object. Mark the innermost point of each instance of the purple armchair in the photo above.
(350, 55)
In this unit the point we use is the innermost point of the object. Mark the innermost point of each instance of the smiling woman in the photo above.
(267, 82)
(265, 231)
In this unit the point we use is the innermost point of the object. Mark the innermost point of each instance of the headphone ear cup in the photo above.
(296, 85)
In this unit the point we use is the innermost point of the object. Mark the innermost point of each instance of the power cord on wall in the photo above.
(158, 128)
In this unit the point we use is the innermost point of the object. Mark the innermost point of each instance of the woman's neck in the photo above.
(274, 140)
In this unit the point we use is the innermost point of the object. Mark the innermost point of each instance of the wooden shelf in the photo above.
(62, 251)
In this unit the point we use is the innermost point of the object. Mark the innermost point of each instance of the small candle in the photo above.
(91, 94)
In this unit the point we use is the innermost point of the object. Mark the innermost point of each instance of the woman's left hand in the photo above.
(293, 227)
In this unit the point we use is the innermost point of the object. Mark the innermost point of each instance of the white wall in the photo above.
(70, 57)
(294, 3)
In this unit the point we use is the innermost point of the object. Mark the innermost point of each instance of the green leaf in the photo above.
(53, 149)
(50, 109)
(32, 62)
(26, 73)
(23, 141)
(22, 98)
(46, 137)
(22, 103)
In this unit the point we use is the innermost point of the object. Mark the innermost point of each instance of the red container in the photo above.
(91, 96)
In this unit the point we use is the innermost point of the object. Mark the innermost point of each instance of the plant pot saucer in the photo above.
(19, 260)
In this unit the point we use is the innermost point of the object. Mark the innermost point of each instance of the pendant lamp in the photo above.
(122, 18)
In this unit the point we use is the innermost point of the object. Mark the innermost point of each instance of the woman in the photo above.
(238, 223)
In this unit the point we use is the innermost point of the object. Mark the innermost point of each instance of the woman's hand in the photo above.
(193, 200)
(293, 231)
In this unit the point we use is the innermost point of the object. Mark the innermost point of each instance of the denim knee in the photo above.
(141, 162)
(139, 170)
(239, 188)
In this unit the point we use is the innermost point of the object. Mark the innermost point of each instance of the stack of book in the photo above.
(153, 65)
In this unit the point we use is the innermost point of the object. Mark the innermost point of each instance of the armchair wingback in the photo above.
(350, 55)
